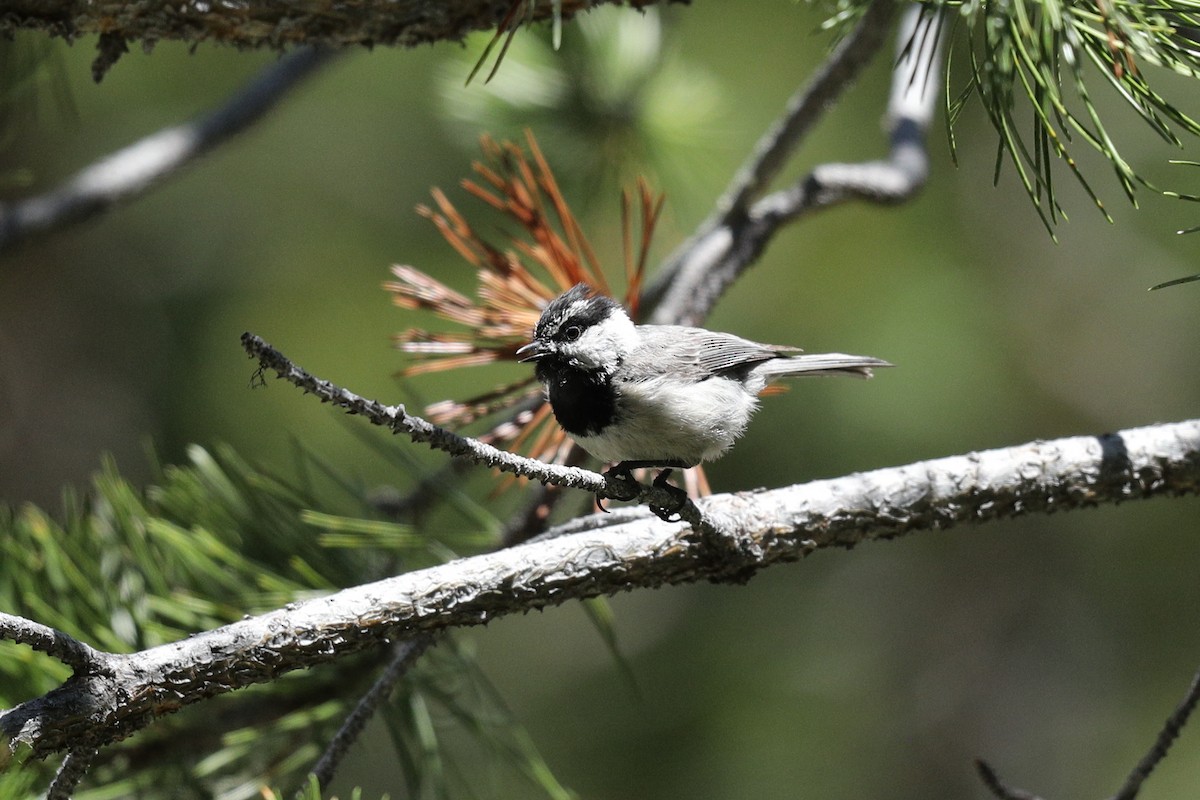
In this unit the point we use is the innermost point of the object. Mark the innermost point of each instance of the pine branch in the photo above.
(398, 420)
(1044, 59)
(770, 527)
(274, 23)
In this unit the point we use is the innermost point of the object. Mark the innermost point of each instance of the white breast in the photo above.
(663, 419)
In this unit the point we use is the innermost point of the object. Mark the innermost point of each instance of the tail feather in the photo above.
(820, 364)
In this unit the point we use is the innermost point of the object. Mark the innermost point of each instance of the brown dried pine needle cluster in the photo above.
(546, 255)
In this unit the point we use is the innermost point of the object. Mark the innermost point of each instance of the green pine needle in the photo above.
(1177, 281)
(1043, 59)
(600, 612)
(123, 568)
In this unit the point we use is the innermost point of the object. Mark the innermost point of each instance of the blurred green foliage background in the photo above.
(1052, 646)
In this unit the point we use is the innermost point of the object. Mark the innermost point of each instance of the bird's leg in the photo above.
(622, 474)
(672, 463)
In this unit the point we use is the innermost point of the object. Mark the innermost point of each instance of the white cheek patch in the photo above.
(604, 346)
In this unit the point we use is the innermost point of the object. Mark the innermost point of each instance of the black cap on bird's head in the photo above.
(565, 318)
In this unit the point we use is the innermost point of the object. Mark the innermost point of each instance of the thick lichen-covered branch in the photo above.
(768, 527)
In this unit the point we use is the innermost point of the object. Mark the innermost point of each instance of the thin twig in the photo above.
(404, 656)
(67, 649)
(1133, 784)
(142, 165)
(1001, 790)
(398, 420)
(74, 766)
(1166, 737)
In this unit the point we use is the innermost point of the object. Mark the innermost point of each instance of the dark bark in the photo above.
(275, 24)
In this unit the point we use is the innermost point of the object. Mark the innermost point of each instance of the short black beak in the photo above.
(533, 351)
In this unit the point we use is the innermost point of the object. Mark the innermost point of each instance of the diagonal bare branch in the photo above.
(1162, 743)
(141, 166)
(404, 655)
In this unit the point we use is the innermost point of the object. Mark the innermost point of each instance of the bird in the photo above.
(657, 396)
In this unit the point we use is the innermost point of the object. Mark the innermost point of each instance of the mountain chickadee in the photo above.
(659, 396)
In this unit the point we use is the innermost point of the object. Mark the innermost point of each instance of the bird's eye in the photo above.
(572, 333)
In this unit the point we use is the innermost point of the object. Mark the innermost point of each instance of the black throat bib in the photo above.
(583, 401)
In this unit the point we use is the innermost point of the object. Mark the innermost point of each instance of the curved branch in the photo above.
(805, 109)
(696, 275)
(143, 164)
(913, 97)
(770, 527)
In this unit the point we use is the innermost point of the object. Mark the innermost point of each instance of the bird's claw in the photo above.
(628, 489)
(679, 499)
(626, 484)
